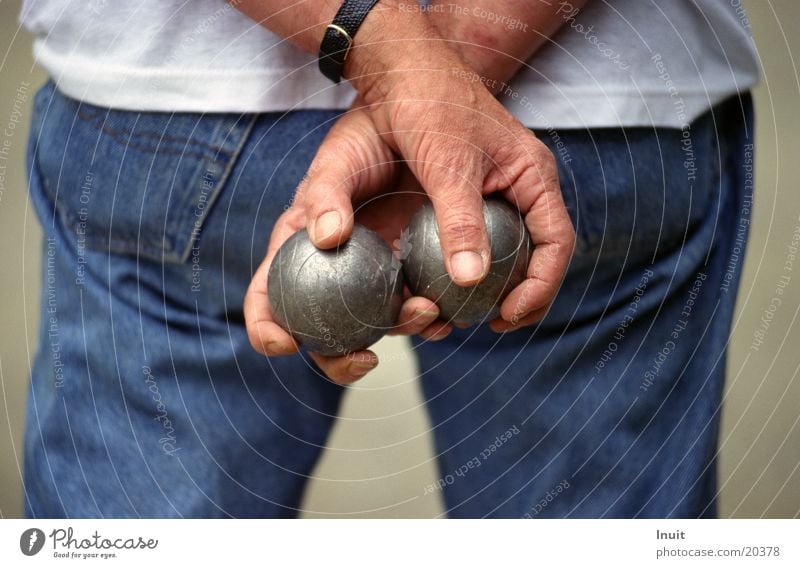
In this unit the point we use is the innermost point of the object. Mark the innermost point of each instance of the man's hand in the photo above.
(432, 109)
(356, 166)
(428, 106)
(353, 165)
(461, 145)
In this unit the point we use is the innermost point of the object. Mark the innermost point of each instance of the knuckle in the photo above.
(336, 373)
(462, 227)
(448, 158)
(414, 328)
(569, 239)
(543, 162)
(549, 171)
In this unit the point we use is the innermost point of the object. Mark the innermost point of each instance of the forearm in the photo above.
(495, 37)
(391, 41)
(302, 22)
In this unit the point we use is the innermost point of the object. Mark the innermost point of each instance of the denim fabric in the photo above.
(147, 400)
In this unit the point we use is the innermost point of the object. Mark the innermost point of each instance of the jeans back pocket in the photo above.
(127, 182)
(637, 192)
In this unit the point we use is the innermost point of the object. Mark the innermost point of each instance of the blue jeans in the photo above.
(146, 399)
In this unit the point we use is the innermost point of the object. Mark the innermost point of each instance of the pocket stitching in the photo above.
(94, 121)
(175, 246)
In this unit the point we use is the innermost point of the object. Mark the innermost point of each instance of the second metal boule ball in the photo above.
(336, 301)
(426, 275)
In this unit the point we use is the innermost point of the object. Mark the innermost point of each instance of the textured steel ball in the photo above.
(340, 300)
(426, 275)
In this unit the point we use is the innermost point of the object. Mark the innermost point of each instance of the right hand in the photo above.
(462, 144)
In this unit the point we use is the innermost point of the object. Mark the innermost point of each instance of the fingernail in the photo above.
(368, 363)
(467, 266)
(496, 327)
(436, 337)
(277, 348)
(327, 224)
(360, 370)
(426, 313)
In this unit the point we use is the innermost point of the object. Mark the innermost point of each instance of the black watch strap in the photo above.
(338, 38)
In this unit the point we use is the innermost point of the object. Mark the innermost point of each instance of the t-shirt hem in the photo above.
(303, 88)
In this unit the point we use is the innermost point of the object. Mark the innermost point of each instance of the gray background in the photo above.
(380, 456)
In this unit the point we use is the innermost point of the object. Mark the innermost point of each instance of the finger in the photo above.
(499, 325)
(554, 238)
(462, 230)
(437, 331)
(416, 315)
(348, 369)
(538, 194)
(351, 164)
(266, 336)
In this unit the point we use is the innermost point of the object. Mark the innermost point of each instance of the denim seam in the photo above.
(189, 198)
(228, 164)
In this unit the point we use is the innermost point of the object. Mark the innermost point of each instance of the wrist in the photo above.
(396, 43)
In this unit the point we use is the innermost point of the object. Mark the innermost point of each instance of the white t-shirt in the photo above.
(615, 63)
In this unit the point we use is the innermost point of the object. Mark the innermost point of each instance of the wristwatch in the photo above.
(338, 38)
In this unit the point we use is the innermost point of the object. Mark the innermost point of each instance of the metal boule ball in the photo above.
(426, 275)
(340, 300)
